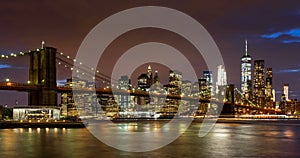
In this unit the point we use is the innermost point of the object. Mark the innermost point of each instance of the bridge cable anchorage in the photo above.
(88, 71)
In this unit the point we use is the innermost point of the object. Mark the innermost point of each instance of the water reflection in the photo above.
(227, 140)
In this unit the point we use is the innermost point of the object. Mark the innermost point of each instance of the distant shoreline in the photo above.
(17, 124)
(79, 124)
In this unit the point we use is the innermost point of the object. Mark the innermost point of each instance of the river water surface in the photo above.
(224, 140)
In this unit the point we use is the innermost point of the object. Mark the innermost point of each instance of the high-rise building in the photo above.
(286, 91)
(269, 88)
(273, 94)
(124, 83)
(208, 76)
(149, 75)
(259, 83)
(78, 104)
(156, 78)
(175, 81)
(173, 88)
(124, 100)
(221, 79)
(145, 80)
(246, 72)
(204, 91)
(142, 82)
(186, 88)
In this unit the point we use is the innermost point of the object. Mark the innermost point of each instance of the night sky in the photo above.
(272, 29)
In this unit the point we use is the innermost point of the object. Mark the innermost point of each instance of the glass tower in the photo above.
(245, 71)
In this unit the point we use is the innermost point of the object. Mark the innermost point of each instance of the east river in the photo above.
(261, 139)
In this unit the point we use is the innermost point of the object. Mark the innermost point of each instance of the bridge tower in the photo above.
(42, 72)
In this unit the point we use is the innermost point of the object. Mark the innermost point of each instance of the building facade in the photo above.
(124, 100)
(208, 77)
(269, 88)
(221, 80)
(246, 73)
(259, 83)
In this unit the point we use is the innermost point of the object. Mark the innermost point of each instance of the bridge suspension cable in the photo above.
(243, 97)
(13, 55)
(85, 70)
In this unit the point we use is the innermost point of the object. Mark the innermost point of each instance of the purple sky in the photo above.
(272, 29)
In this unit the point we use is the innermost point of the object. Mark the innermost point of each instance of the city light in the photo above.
(253, 100)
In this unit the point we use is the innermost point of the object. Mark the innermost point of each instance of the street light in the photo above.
(7, 79)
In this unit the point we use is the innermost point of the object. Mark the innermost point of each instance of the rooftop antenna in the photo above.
(246, 47)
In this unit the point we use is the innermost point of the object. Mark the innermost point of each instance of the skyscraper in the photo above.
(286, 91)
(269, 87)
(124, 100)
(204, 91)
(149, 75)
(173, 88)
(175, 81)
(259, 82)
(221, 78)
(246, 71)
(86, 104)
(186, 88)
(124, 83)
(145, 80)
(208, 76)
(156, 78)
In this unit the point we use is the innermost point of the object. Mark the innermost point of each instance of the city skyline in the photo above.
(272, 36)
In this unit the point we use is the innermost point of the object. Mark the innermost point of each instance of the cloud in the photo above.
(291, 41)
(288, 71)
(288, 36)
(4, 66)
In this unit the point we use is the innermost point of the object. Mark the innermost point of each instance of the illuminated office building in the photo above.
(156, 80)
(186, 88)
(259, 83)
(124, 83)
(286, 91)
(175, 81)
(208, 77)
(204, 91)
(124, 100)
(149, 75)
(269, 88)
(78, 104)
(246, 73)
(145, 80)
(221, 79)
(173, 88)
